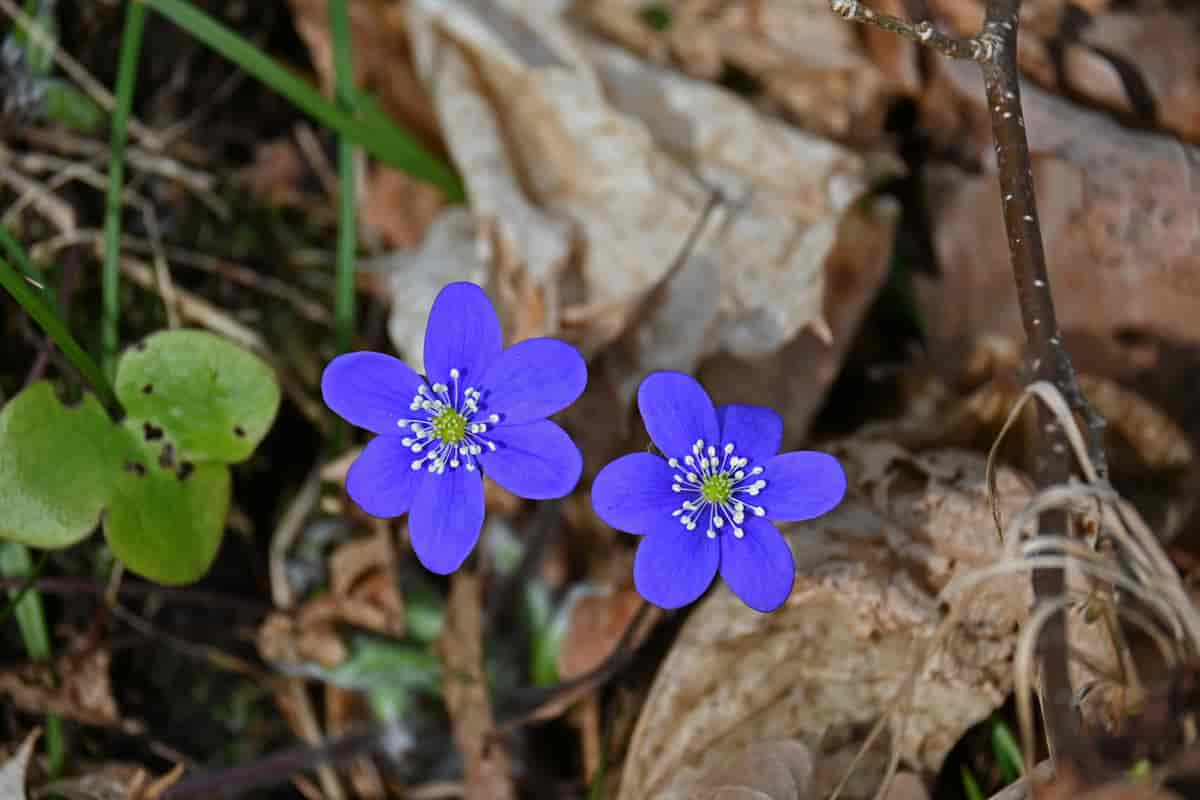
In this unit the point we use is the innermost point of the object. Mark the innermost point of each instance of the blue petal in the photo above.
(801, 485)
(674, 566)
(633, 493)
(536, 460)
(677, 411)
(759, 567)
(446, 519)
(533, 379)
(370, 390)
(382, 480)
(755, 431)
(463, 333)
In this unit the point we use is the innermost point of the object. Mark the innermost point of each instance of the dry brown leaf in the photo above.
(450, 252)
(112, 781)
(596, 625)
(363, 593)
(466, 694)
(826, 666)
(796, 379)
(570, 146)
(767, 770)
(806, 60)
(1120, 217)
(398, 208)
(1137, 58)
(83, 692)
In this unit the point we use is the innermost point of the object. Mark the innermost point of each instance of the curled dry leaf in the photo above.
(83, 692)
(363, 593)
(825, 667)
(612, 191)
(795, 55)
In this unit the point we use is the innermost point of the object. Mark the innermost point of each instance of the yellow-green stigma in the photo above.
(450, 426)
(717, 488)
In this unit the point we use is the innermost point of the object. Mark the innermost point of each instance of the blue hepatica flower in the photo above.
(481, 409)
(708, 504)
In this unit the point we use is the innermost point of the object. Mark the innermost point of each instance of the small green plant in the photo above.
(194, 403)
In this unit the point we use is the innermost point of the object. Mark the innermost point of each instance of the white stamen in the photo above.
(723, 474)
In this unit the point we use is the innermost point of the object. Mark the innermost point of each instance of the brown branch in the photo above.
(995, 49)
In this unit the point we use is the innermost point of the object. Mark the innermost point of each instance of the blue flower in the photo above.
(480, 409)
(708, 504)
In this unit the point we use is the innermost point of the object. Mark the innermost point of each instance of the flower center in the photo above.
(717, 488)
(449, 426)
(717, 485)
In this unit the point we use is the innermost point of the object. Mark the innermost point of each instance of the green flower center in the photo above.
(450, 426)
(717, 488)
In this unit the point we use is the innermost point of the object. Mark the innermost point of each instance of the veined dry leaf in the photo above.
(826, 666)
(572, 147)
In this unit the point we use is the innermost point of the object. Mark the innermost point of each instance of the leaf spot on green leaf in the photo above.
(151, 432)
(239, 431)
(166, 459)
(148, 388)
(186, 468)
(136, 467)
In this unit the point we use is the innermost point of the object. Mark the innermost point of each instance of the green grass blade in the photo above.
(15, 562)
(347, 243)
(970, 785)
(131, 50)
(1007, 751)
(37, 307)
(17, 255)
(391, 145)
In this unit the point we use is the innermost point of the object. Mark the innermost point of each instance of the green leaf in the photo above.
(213, 399)
(389, 672)
(70, 107)
(167, 514)
(57, 466)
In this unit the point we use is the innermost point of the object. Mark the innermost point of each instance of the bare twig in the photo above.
(995, 49)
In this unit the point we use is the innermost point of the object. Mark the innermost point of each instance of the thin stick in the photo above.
(995, 49)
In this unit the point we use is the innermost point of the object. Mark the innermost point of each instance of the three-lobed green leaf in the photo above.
(194, 403)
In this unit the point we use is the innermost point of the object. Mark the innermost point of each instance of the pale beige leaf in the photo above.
(12, 771)
(826, 666)
(449, 253)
